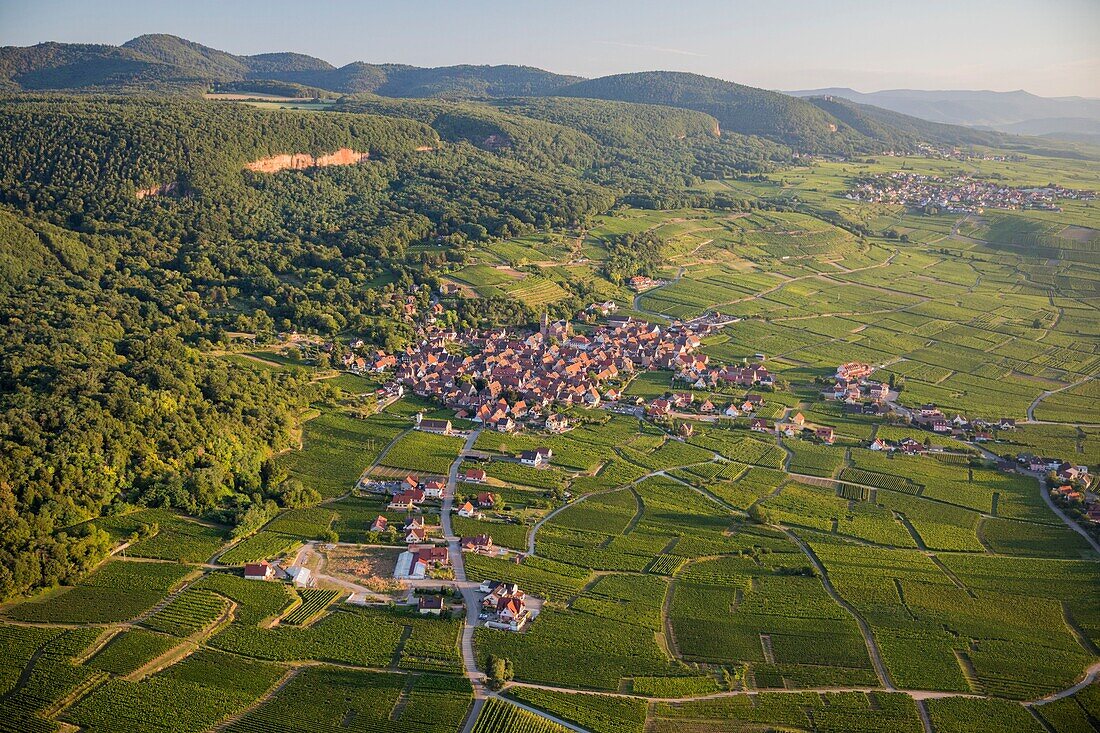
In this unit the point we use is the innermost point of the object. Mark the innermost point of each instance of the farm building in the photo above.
(428, 425)
(258, 571)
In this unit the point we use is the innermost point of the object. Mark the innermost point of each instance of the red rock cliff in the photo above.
(301, 161)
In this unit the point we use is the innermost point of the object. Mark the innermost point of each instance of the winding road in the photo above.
(1046, 498)
(1035, 403)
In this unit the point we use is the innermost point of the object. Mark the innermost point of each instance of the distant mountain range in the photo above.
(1016, 112)
(831, 121)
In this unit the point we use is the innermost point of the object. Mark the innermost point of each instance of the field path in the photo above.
(270, 693)
(868, 637)
(1048, 393)
(1090, 676)
(915, 694)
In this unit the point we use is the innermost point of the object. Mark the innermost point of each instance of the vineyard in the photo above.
(712, 579)
(423, 452)
(502, 717)
(188, 612)
(596, 713)
(314, 602)
(263, 545)
(332, 699)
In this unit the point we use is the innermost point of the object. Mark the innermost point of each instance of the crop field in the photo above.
(331, 699)
(191, 610)
(607, 652)
(176, 538)
(314, 602)
(815, 460)
(740, 448)
(336, 448)
(130, 650)
(854, 712)
(535, 291)
(304, 523)
(771, 619)
(506, 534)
(256, 602)
(597, 713)
(424, 452)
(204, 688)
(499, 716)
(116, 592)
(263, 545)
(517, 473)
(910, 600)
(17, 645)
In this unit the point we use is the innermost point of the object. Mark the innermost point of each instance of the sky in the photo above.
(1050, 48)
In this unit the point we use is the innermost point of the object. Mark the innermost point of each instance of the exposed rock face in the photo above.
(162, 190)
(302, 161)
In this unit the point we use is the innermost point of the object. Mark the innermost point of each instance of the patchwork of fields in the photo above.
(847, 589)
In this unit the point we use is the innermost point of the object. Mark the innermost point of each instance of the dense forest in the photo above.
(163, 63)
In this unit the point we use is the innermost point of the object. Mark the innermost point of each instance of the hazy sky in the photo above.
(1049, 47)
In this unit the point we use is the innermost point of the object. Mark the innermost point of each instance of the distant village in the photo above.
(960, 194)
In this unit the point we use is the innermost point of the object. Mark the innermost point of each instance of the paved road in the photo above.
(1043, 492)
(468, 590)
(1048, 393)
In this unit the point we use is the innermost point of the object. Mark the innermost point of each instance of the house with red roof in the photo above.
(258, 571)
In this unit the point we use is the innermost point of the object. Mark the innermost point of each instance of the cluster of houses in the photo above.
(932, 418)
(959, 194)
(792, 426)
(682, 402)
(297, 575)
(410, 492)
(471, 509)
(506, 379)
(1079, 498)
(504, 606)
(640, 283)
(853, 387)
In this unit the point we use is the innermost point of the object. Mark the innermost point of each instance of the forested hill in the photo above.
(164, 63)
(109, 303)
(167, 63)
(813, 125)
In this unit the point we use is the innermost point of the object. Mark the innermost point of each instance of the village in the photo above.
(959, 194)
(509, 381)
(503, 380)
